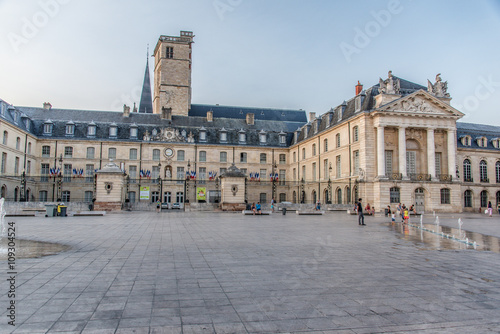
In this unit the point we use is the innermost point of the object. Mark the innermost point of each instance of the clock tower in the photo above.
(172, 80)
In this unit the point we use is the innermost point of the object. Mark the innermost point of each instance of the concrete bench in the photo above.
(34, 210)
(20, 214)
(311, 213)
(89, 213)
(250, 212)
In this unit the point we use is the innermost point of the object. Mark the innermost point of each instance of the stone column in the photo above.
(402, 150)
(380, 152)
(452, 153)
(431, 153)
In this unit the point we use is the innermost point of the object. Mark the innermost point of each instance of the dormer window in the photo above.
(16, 117)
(481, 141)
(27, 124)
(466, 140)
(91, 130)
(242, 136)
(113, 130)
(47, 128)
(495, 142)
(133, 131)
(2, 109)
(262, 137)
(70, 129)
(223, 135)
(282, 137)
(203, 134)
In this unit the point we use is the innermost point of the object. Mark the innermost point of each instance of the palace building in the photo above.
(394, 142)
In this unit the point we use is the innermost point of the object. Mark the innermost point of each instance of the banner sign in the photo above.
(144, 194)
(201, 194)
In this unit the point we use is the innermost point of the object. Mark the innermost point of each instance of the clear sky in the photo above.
(89, 54)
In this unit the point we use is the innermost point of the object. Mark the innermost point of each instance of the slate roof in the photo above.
(271, 121)
(475, 131)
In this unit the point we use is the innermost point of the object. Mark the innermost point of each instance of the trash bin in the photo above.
(91, 207)
(62, 210)
(283, 211)
(386, 211)
(50, 210)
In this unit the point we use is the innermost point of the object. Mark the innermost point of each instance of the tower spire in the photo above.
(146, 104)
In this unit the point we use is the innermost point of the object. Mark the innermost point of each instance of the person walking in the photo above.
(361, 217)
(490, 209)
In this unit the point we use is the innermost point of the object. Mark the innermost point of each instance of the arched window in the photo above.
(467, 171)
(498, 198)
(18, 143)
(314, 149)
(483, 171)
(3, 192)
(355, 134)
(497, 171)
(339, 196)
(337, 140)
(468, 199)
(445, 196)
(303, 153)
(394, 195)
(484, 198)
(294, 197)
(313, 196)
(325, 145)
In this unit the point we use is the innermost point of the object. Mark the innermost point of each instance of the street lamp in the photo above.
(217, 190)
(330, 184)
(160, 183)
(59, 179)
(273, 177)
(186, 182)
(302, 193)
(23, 187)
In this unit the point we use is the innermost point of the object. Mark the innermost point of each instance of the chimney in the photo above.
(210, 116)
(47, 106)
(359, 88)
(135, 108)
(312, 116)
(166, 113)
(126, 110)
(250, 119)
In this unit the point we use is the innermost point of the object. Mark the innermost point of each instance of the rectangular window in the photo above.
(113, 131)
(156, 154)
(314, 171)
(45, 173)
(325, 145)
(243, 157)
(112, 153)
(411, 161)
(131, 196)
(169, 52)
(263, 174)
(294, 157)
(42, 196)
(202, 174)
(179, 197)
(263, 198)
(68, 172)
(223, 156)
(303, 172)
(132, 172)
(180, 155)
(326, 171)
(68, 152)
(337, 137)
(180, 174)
(90, 152)
(70, 129)
(282, 159)
(16, 166)
(203, 156)
(18, 143)
(281, 176)
(89, 173)
(45, 151)
(394, 195)
(133, 154)
(47, 129)
(4, 162)
(263, 158)
(445, 196)
(356, 162)
(438, 163)
(388, 163)
(338, 167)
(91, 131)
(88, 196)
(28, 167)
(294, 174)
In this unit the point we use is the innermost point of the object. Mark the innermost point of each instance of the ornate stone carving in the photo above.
(390, 85)
(166, 135)
(190, 138)
(439, 88)
(416, 105)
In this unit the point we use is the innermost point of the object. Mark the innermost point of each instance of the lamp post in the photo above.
(160, 183)
(330, 184)
(59, 179)
(302, 193)
(186, 182)
(217, 190)
(22, 195)
(273, 177)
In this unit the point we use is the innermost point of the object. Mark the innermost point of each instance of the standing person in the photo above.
(490, 209)
(398, 209)
(158, 206)
(361, 217)
(272, 204)
(406, 215)
(498, 207)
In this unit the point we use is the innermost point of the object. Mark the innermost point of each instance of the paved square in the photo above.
(178, 272)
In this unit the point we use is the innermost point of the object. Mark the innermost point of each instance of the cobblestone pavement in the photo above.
(176, 272)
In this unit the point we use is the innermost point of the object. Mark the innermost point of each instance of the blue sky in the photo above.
(281, 54)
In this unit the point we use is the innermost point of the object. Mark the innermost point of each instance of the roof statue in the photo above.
(391, 85)
(438, 89)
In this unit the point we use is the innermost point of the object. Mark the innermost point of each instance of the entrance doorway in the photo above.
(419, 200)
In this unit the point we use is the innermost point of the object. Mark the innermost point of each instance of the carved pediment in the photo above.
(166, 135)
(423, 103)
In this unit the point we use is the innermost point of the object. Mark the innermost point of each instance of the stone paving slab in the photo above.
(176, 272)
